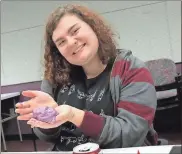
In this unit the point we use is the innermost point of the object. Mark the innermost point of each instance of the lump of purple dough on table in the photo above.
(45, 114)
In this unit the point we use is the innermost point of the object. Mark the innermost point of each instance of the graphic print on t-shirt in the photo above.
(91, 95)
(71, 90)
(82, 95)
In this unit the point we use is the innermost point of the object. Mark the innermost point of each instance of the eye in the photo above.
(75, 31)
(61, 42)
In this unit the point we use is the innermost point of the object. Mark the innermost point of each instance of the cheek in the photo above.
(66, 55)
(63, 52)
(95, 43)
(94, 38)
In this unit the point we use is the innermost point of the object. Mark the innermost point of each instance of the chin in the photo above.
(82, 59)
(80, 62)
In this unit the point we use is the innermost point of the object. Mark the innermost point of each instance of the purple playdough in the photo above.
(45, 114)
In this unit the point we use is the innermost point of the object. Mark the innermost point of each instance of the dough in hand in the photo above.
(45, 114)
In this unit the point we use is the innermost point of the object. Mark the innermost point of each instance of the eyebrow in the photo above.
(58, 39)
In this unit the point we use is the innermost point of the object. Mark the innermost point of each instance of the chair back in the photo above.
(162, 70)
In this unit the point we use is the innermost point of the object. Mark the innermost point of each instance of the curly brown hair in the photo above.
(57, 68)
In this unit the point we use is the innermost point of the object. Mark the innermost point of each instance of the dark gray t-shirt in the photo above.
(86, 94)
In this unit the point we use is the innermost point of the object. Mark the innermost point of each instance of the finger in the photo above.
(35, 123)
(19, 105)
(31, 122)
(23, 111)
(25, 104)
(32, 126)
(25, 117)
(31, 93)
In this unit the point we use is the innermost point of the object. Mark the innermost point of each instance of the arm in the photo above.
(47, 134)
(136, 108)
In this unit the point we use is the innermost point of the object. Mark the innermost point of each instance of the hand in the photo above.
(38, 99)
(65, 113)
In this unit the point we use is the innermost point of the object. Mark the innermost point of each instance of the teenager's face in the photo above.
(75, 40)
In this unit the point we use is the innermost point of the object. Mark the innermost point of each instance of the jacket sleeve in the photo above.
(135, 109)
(47, 134)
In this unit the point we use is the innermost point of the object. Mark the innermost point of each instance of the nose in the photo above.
(72, 41)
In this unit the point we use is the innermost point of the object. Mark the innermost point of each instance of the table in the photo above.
(9, 95)
(165, 149)
(9, 116)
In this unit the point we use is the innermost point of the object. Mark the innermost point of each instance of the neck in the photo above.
(94, 68)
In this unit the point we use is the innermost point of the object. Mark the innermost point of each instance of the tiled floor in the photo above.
(27, 145)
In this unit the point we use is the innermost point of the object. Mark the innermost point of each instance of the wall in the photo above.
(151, 29)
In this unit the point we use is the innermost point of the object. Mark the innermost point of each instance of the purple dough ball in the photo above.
(45, 114)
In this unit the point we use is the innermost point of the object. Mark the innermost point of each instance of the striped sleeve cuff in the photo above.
(92, 124)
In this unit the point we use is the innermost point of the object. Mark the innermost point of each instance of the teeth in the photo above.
(79, 49)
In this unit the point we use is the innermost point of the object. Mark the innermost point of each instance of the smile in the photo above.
(79, 49)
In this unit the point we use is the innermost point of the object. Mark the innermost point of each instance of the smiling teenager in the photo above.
(101, 94)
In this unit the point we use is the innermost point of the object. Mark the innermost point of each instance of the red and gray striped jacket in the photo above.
(134, 95)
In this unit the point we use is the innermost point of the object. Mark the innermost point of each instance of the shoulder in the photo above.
(47, 86)
(130, 68)
(123, 53)
(126, 57)
(125, 61)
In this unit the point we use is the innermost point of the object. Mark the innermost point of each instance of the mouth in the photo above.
(79, 49)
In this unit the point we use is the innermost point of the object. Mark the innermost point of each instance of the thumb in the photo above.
(60, 117)
(31, 93)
